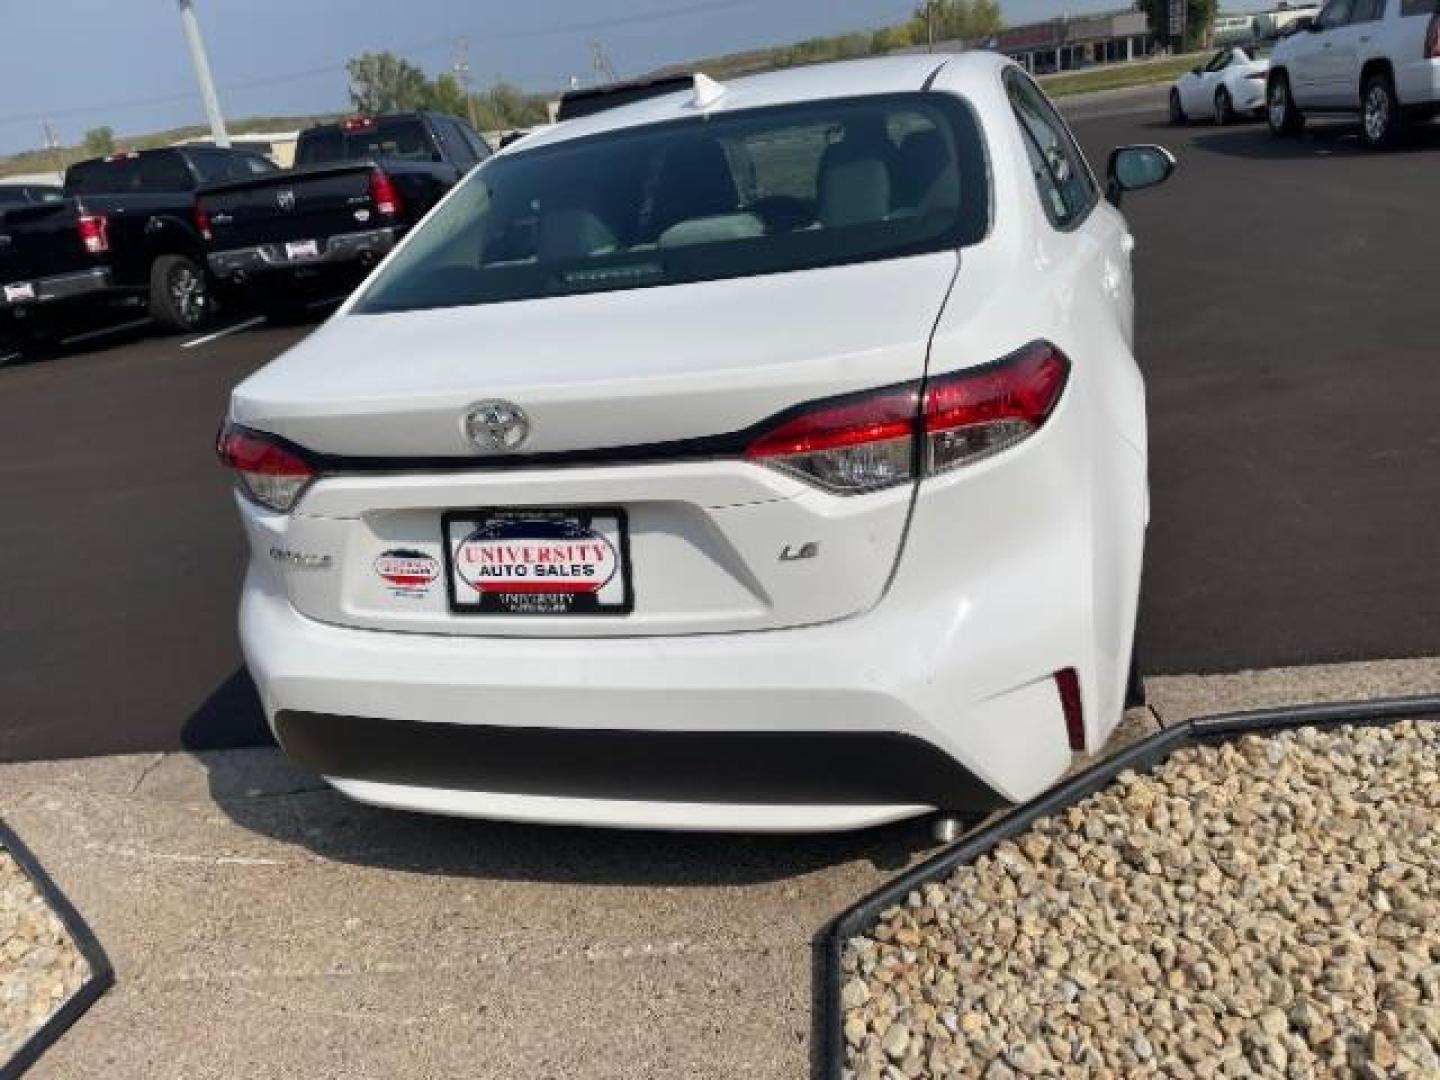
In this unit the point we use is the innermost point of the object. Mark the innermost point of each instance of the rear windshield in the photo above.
(398, 138)
(734, 195)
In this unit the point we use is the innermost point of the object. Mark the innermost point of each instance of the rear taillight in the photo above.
(269, 471)
(976, 413)
(201, 216)
(1432, 38)
(94, 230)
(869, 441)
(848, 445)
(383, 195)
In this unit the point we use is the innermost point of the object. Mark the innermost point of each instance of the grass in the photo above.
(1120, 76)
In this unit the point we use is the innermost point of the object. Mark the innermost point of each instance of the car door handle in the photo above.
(1365, 38)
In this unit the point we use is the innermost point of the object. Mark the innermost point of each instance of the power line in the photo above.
(703, 7)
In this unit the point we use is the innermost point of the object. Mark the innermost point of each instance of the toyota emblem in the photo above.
(495, 427)
(285, 199)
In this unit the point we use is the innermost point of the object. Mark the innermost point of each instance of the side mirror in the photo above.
(1314, 26)
(1195, 70)
(1134, 167)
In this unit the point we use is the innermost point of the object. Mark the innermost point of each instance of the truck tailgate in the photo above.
(289, 206)
(40, 241)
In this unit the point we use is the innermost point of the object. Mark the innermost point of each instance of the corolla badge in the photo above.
(495, 427)
(285, 199)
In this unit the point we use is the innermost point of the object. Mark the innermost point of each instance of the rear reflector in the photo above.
(1068, 683)
(383, 195)
(202, 220)
(865, 442)
(94, 230)
(268, 470)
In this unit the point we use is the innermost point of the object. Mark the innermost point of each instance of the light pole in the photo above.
(191, 26)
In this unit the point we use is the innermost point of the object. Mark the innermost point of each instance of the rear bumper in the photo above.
(342, 249)
(17, 295)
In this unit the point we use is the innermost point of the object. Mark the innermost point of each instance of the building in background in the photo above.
(278, 146)
(1082, 41)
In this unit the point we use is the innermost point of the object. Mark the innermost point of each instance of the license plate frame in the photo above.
(467, 536)
(300, 250)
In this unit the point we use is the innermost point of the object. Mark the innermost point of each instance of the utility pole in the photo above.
(52, 143)
(930, 25)
(201, 63)
(462, 76)
(600, 61)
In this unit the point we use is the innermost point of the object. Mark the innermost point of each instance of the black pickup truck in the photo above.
(123, 236)
(357, 186)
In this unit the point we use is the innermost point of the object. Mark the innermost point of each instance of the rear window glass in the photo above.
(407, 139)
(734, 195)
(103, 177)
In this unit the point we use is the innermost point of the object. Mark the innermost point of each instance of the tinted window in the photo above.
(1419, 7)
(739, 194)
(1067, 188)
(1219, 61)
(454, 142)
(394, 138)
(164, 172)
(1367, 10)
(103, 177)
(1335, 13)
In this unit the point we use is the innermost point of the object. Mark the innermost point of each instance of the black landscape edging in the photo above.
(102, 974)
(1142, 757)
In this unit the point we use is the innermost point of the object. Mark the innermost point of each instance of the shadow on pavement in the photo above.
(229, 718)
(1327, 139)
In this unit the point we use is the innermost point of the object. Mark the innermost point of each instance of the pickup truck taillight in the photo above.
(1432, 38)
(94, 232)
(201, 217)
(383, 195)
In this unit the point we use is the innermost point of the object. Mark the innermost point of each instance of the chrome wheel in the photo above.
(187, 292)
(1377, 113)
(1278, 100)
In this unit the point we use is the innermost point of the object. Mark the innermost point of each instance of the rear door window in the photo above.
(405, 138)
(1067, 187)
(164, 172)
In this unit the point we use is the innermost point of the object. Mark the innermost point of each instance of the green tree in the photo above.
(444, 95)
(383, 82)
(505, 107)
(950, 20)
(99, 142)
(1199, 18)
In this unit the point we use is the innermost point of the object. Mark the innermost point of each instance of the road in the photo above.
(1285, 325)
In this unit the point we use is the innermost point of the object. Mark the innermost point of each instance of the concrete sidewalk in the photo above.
(263, 926)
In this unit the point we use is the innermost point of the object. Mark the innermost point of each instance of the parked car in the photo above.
(1377, 58)
(356, 188)
(14, 194)
(768, 456)
(124, 237)
(1228, 86)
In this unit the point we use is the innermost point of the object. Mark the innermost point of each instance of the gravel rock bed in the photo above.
(40, 968)
(1266, 907)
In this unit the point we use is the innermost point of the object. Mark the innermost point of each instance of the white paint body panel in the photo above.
(939, 610)
(1327, 67)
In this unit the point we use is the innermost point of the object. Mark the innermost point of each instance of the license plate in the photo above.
(23, 290)
(538, 562)
(302, 249)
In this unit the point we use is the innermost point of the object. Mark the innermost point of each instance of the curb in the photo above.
(1142, 757)
(102, 974)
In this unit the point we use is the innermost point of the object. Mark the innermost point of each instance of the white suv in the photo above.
(1378, 58)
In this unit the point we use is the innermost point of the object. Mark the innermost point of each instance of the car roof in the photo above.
(843, 79)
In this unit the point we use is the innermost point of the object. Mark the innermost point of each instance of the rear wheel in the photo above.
(179, 295)
(1280, 112)
(1379, 112)
(1177, 111)
(1224, 107)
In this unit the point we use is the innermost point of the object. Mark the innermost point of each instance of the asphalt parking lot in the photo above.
(1285, 325)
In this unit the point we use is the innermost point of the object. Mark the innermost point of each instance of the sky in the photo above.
(123, 63)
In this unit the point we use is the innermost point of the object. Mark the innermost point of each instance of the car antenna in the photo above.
(707, 91)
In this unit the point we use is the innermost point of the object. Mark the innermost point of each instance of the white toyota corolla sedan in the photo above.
(762, 456)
